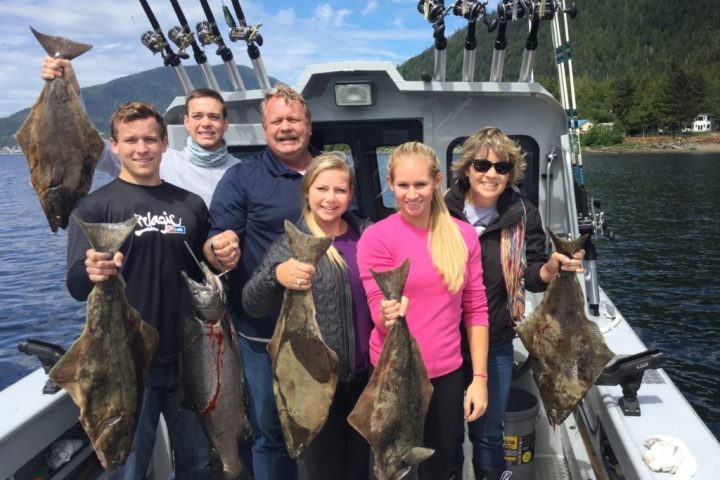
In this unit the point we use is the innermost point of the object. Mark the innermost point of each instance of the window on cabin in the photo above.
(382, 154)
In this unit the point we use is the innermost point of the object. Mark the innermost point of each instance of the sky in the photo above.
(296, 33)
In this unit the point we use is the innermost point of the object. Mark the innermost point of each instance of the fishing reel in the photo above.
(182, 37)
(249, 34)
(432, 10)
(542, 9)
(206, 34)
(600, 221)
(154, 41)
(595, 221)
(511, 10)
(472, 10)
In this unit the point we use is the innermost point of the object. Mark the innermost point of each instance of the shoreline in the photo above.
(706, 143)
(626, 148)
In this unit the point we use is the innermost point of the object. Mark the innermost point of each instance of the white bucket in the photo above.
(519, 441)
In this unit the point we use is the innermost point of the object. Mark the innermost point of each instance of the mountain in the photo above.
(158, 86)
(644, 63)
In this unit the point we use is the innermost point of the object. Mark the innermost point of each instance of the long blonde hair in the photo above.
(324, 161)
(447, 247)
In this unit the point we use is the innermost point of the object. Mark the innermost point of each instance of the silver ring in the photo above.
(298, 282)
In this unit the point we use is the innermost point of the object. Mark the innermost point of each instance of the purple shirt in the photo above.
(346, 244)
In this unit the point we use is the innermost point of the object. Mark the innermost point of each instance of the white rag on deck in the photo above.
(671, 455)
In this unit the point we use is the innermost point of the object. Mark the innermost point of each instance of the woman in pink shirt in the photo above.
(443, 288)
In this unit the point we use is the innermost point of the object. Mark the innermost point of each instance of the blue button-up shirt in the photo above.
(254, 198)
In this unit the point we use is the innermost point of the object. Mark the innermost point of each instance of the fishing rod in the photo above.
(253, 39)
(588, 222)
(434, 12)
(208, 33)
(538, 10)
(471, 10)
(507, 10)
(156, 42)
(183, 37)
(572, 112)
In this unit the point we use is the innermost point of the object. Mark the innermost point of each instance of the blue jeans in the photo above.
(486, 433)
(270, 458)
(187, 439)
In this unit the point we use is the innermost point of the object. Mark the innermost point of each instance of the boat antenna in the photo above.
(434, 12)
(471, 10)
(156, 42)
(183, 37)
(251, 36)
(208, 33)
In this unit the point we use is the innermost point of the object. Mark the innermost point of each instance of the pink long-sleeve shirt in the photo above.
(434, 314)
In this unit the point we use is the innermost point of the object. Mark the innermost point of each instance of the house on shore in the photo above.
(704, 122)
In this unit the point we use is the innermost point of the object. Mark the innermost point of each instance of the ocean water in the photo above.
(34, 302)
(661, 270)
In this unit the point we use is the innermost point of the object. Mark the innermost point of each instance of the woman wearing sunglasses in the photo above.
(512, 238)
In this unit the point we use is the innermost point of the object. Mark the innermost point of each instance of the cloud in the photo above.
(371, 6)
(327, 15)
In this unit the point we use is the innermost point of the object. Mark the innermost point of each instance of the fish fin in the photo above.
(107, 237)
(24, 134)
(307, 248)
(417, 454)
(60, 47)
(65, 372)
(359, 417)
(392, 282)
(567, 247)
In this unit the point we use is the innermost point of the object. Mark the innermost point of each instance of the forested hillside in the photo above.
(646, 64)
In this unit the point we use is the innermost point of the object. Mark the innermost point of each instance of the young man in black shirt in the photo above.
(151, 261)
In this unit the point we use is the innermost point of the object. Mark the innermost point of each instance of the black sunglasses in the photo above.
(482, 166)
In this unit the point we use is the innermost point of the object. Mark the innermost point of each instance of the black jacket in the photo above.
(510, 210)
(263, 294)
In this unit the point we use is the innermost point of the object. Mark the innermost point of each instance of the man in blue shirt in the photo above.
(248, 210)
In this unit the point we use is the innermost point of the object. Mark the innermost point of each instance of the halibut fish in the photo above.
(390, 413)
(212, 374)
(60, 143)
(104, 370)
(305, 369)
(567, 351)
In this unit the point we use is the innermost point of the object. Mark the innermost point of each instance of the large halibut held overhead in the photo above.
(567, 351)
(60, 143)
(103, 371)
(390, 413)
(305, 369)
(212, 374)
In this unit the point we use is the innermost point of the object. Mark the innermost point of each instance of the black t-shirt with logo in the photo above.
(155, 253)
